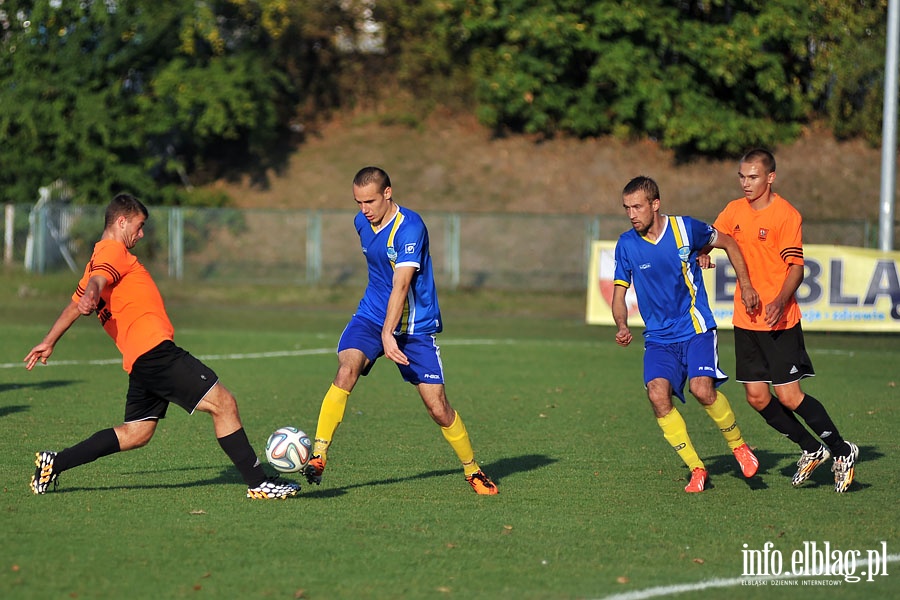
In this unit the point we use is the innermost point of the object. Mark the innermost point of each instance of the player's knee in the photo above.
(132, 437)
(704, 395)
(759, 401)
(219, 403)
(440, 410)
(661, 404)
(346, 377)
(139, 442)
(790, 400)
(443, 418)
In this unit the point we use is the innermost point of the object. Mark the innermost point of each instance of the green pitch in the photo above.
(591, 502)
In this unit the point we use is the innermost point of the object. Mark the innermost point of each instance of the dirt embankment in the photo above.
(456, 165)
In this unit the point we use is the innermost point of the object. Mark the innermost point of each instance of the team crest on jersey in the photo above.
(410, 248)
(684, 253)
(391, 253)
(763, 234)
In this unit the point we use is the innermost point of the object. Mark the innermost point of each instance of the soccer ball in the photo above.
(288, 449)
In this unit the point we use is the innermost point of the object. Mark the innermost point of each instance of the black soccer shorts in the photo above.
(166, 374)
(777, 357)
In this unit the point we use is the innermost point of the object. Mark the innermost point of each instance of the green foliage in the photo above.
(132, 95)
(422, 67)
(701, 77)
(157, 96)
(849, 67)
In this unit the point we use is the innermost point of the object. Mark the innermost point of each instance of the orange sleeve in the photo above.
(791, 237)
(131, 309)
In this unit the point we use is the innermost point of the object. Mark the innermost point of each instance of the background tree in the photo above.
(161, 96)
(701, 77)
(139, 95)
(848, 67)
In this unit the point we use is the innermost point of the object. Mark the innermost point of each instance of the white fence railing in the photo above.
(315, 247)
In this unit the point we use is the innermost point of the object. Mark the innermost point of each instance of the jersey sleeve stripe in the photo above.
(109, 270)
(791, 252)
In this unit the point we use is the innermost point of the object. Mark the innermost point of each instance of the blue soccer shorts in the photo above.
(679, 361)
(422, 350)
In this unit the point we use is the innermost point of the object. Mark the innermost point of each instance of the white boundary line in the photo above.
(656, 592)
(671, 590)
(118, 361)
(247, 355)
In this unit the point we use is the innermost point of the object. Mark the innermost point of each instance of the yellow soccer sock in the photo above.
(720, 412)
(330, 416)
(458, 438)
(675, 431)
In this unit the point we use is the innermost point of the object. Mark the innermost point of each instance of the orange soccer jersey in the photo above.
(131, 308)
(771, 240)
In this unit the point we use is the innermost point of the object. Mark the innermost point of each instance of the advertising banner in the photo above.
(844, 289)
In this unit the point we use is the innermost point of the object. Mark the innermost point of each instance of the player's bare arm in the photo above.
(620, 316)
(749, 295)
(91, 297)
(42, 351)
(775, 309)
(396, 302)
(704, 260)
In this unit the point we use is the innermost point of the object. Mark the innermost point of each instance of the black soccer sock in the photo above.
(818, 420)
(103, 443)
(238, 448)
(783, 421)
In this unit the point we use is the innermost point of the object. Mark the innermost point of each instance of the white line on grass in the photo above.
(671, 590)
(248, 355)
(832, 351)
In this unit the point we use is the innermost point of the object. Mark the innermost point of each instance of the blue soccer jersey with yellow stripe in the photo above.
(667, 279)
(403, 241)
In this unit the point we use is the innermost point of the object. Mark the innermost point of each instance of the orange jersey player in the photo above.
(118, 287)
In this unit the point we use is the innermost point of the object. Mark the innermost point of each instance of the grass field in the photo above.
(591, 505)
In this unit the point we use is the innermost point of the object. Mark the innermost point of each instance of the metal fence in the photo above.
(310, 247)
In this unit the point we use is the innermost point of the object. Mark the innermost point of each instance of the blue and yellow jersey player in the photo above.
(401, 243)
(659, 257)
(397, 317)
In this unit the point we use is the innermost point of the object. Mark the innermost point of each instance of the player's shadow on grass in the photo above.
(39, 385)
(823, 477)
(785, 465)
(5, 411)
(497, 471)
(725, 465)
(145, 480)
